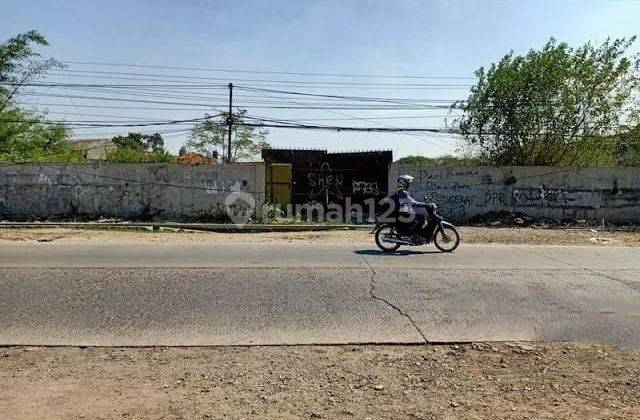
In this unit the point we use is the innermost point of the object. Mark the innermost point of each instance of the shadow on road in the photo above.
(396, 253)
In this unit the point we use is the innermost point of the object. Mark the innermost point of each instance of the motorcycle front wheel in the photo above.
(446, 239)
(386, 230)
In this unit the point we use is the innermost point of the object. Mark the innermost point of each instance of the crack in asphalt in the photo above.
(372, 288)
(631, 285)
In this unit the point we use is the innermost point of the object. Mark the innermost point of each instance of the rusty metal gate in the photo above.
(278, 183)
(316, 176)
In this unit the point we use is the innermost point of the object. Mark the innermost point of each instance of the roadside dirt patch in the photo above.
(468, 381)
(532, 236)
(472, 235)
(47, 234)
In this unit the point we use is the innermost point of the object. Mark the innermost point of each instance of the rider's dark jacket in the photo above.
(403, 199)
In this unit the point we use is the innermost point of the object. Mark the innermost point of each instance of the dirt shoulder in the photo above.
(468, 381)
(472, 235)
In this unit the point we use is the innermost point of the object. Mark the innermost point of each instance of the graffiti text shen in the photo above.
(325, 183)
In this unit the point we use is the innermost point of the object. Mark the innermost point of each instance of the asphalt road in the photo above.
(294, 293)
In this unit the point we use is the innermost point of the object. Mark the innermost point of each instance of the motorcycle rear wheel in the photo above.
(387, 230)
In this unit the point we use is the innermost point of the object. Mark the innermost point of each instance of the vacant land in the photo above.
(466, 381)
(477, 235)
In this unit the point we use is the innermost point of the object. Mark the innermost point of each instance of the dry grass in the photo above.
(472, 235)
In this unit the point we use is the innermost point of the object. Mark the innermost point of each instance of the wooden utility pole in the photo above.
(230, 121)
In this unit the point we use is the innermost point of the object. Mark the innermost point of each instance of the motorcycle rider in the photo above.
(403, 199)
(407, 207)
(408, 221)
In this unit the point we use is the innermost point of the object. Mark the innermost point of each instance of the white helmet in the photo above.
(405, 180)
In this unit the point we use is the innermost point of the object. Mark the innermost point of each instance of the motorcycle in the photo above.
(416, 231)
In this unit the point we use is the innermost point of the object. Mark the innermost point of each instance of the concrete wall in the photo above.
(129, 191)
(180, 192)
(541, 192)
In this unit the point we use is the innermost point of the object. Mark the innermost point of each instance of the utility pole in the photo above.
(230, 121)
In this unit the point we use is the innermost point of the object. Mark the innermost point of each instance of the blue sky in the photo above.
(399, 37)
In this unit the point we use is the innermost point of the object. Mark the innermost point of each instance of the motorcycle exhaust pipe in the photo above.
(397, 241)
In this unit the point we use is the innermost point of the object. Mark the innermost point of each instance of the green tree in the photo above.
(139, 148)
(546, 107)
(140, 142)
(24, 136)
(627, 147)
(124, 155)
(210, 137)
(20, 64)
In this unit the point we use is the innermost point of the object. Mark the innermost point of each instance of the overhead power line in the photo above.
(202, 107)
(243, 104)
(106, 124)
(122, 131)
(276, 124)
(283, 124)
(288, 73)
(117, 88)
(283, 84)
(435, 141)
(346, 118)
(347, 97)
(300, 120)
(270, 81)
(83, 114)
(114, 85)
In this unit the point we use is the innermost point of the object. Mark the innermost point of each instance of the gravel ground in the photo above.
(466, 381)
(503, 235)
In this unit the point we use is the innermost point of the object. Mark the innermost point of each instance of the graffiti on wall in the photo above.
(451, 189)
(364, 187)
(45, 179)
(223, 187)
(325, 184)
(464, 193)
(538, 196)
